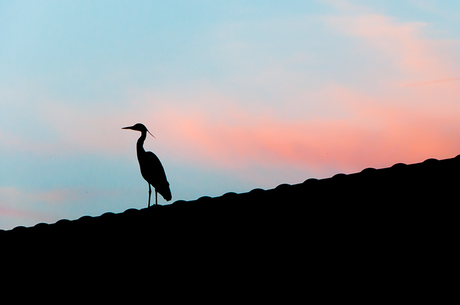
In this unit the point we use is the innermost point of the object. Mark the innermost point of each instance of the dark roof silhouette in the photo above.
(387, 233)
(378, 196)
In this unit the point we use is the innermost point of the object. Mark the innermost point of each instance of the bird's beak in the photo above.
(131, 127)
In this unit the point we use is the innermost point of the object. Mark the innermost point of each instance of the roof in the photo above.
(395, 194)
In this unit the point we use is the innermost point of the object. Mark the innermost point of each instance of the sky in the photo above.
(238, 94)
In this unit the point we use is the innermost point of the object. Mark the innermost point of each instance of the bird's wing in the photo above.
(154, 169)
(154, 173)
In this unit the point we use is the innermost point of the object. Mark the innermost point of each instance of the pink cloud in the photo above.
(376, 132)
(391, 124)
(417, 57)
(11, 217)
(401, 125)
(27, 207)
(17, 196)
(394, 124)
(15, 211)
(433, 82)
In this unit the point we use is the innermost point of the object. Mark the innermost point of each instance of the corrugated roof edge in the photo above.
(427, 176)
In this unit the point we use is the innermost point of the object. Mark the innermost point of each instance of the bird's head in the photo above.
(139, 127)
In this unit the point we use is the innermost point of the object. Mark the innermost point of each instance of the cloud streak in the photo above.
(372, 129)
(402, 44)
(222, 129)
(433, 82)
(374, 132)
(27, 207)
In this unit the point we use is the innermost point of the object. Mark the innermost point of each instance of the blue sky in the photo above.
(239, 95)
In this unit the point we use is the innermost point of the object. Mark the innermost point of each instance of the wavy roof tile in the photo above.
(386, 196)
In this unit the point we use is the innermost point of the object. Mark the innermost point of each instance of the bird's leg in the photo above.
(156, 197)
(150, 193)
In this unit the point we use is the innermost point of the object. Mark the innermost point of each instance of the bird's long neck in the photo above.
(140, 144)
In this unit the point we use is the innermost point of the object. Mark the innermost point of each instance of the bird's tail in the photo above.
(165, 191)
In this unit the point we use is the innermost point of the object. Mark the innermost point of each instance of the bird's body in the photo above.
(151, 168)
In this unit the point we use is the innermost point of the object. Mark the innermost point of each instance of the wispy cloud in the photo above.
(15, 211)
(390, 124)
(358, 127)
(400, 42)
(404, 45)
(432, 82)
(374, 132)
(27, 206)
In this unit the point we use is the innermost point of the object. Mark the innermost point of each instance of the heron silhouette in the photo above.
(151, 168)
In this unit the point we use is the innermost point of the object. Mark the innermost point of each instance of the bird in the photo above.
(151, 168)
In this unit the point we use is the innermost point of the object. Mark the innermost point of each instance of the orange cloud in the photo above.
(375, 133)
